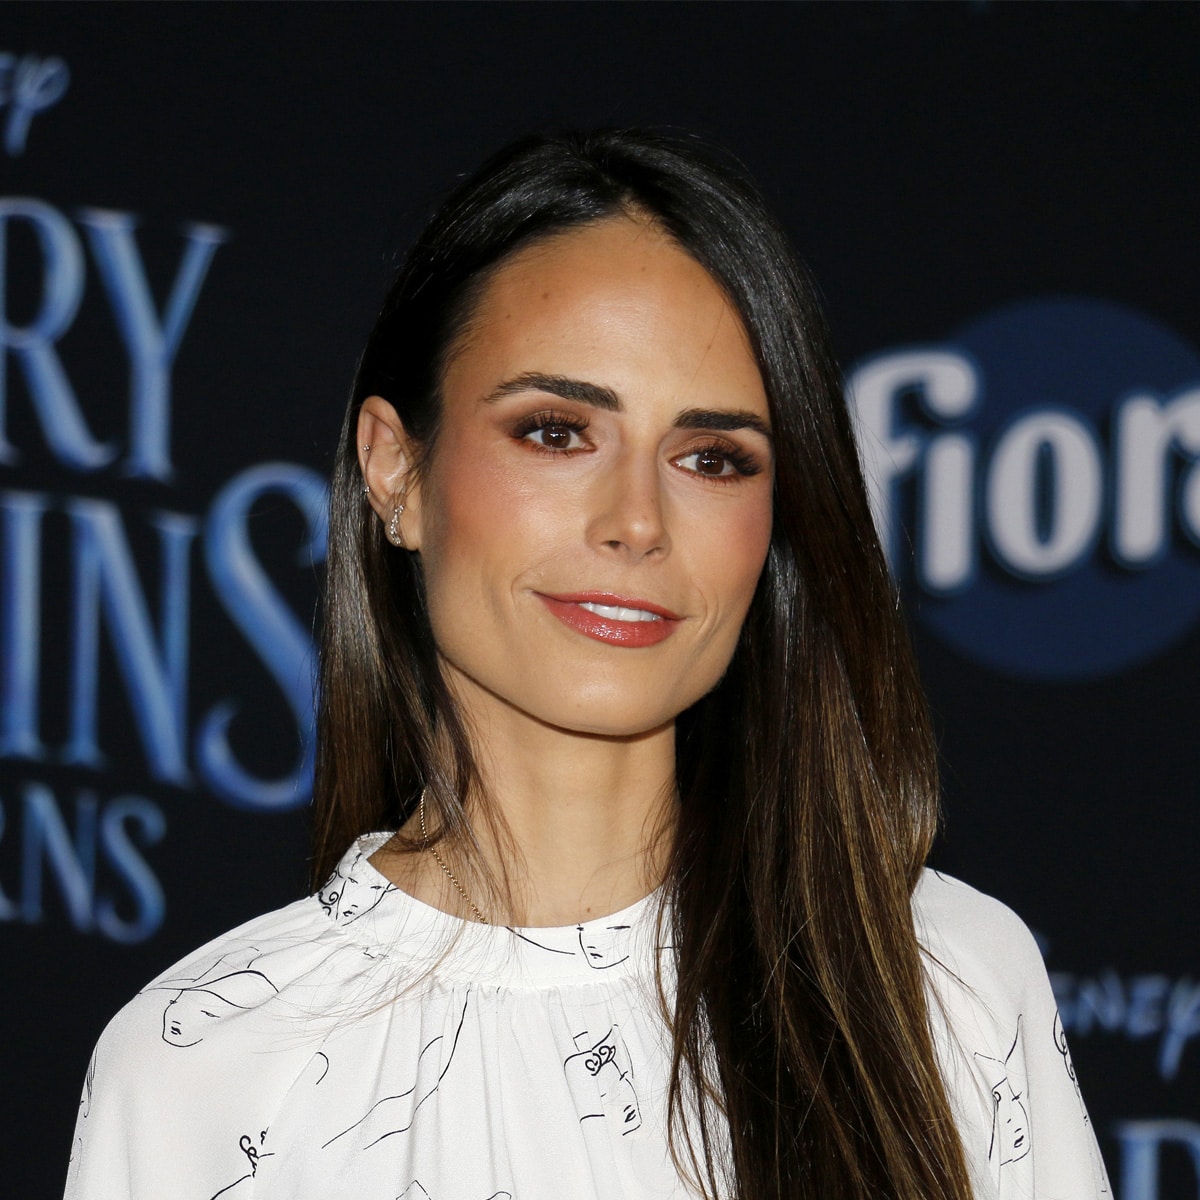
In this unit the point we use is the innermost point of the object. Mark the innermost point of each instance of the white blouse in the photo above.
(361, 1044)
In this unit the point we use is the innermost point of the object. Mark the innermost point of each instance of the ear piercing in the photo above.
(393, 530)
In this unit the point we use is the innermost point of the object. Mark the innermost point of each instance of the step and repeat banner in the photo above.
(199, 211)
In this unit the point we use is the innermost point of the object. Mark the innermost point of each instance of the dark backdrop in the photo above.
(200, 207)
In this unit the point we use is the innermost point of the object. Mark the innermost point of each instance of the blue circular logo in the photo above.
(1036, 482)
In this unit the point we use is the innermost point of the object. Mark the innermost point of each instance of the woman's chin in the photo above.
(604, 720)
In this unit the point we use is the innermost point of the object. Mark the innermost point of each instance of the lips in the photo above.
(618, 620)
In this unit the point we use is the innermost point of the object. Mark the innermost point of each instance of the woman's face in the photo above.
(596, 512)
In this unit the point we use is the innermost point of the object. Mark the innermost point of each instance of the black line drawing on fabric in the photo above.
(604, 946)
(194, 1009)
(89, 1083)
(601, 1070)
(254, 1155)
(217, 992)
(314, 1072)
(324, 1058)
(415, 1191)
(540, 945)
(1060, 1044)
(395, 1114)
(345, 896)
(1010, 1120)
(85, 1104)
(239, 958)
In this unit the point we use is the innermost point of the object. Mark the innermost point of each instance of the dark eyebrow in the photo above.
(558, 385)
(724, 420)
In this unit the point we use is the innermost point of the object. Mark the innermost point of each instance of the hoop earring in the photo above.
(393, 529)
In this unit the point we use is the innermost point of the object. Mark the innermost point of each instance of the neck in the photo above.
(589, 817)
(575, 825)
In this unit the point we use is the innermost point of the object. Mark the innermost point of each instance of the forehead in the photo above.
(617, 302)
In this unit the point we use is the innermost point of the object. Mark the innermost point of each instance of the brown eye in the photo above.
(711, 464)
(719, 462)
(556, 433)
(556, 437)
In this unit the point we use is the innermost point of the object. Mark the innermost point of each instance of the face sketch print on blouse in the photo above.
(214, 994)
(1010, 1119)
(601, 1071)
(346, 897)
(604, 946)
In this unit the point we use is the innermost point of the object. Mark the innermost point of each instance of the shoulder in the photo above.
(263, 932)
(982, 964)
(210, 993)
(277, 947)
(250, 986)
(971, 933)
(1000, 1045)
(190, 1073)
(196, 1034)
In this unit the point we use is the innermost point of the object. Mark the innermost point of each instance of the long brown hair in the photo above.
(803, 1063)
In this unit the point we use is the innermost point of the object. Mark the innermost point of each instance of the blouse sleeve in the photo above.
(1024, 1125)
(138, 1131)
(179, 1092)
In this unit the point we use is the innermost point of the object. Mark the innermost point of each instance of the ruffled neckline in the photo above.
(385, 921)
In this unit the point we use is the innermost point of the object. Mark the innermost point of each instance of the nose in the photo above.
(629, 516)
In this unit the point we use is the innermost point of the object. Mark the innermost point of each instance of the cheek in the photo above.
(732, 552)
(729, 553)
(484, 526)
(754, 542)
(463, 499)
(466, 508)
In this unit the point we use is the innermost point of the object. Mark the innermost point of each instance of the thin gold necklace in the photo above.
(449, 873)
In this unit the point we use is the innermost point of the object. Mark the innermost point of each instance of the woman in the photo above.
(625, 783)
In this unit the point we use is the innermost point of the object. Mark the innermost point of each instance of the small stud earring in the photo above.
(366, 448)
(394, 534)
(366, 489)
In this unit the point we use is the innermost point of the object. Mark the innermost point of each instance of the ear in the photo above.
(386, 457)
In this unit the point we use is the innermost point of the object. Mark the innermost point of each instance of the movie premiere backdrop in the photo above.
(199, 211)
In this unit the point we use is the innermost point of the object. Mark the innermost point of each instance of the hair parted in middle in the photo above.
(803, 1064)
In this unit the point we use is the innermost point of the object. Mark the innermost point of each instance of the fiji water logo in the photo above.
(1035, 478)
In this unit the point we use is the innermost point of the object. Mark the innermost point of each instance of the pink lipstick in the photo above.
(618, 620)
